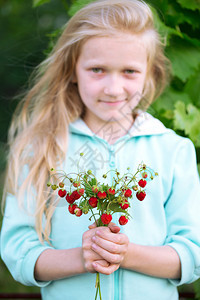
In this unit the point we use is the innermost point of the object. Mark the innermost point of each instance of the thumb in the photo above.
(94, 225)
(114, 228)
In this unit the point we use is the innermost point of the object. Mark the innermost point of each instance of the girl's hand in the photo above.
(112, 226)
(90, 256)
(110, 245)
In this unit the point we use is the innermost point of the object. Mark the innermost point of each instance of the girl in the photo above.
(89, 96)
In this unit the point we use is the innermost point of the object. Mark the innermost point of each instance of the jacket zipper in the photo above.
(116, 285)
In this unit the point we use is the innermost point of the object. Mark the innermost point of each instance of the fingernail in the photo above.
(94, 238)
(94, 246)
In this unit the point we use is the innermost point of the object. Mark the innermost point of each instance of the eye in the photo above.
(97, 70)
(129, 71)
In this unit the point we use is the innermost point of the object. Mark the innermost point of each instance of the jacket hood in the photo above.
(144, 125)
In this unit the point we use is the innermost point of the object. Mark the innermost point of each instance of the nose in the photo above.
(114, 86)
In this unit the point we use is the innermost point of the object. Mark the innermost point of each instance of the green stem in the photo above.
(99, 289)
(93, 215)
(97, 286)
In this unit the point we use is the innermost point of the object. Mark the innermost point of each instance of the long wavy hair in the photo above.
(38, 133)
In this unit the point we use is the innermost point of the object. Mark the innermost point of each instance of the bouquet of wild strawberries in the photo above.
(86, 193)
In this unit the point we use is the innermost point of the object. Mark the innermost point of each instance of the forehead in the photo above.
(120, 48)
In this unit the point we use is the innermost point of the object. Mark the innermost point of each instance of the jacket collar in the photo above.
(144, 125)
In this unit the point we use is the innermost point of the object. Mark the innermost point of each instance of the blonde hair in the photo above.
(39, 129)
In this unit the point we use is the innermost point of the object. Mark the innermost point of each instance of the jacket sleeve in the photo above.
(20, 246)
(183, 213)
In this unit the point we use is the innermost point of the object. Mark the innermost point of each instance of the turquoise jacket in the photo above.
(169, 215)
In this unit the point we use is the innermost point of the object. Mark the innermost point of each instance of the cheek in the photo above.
(88, 89)
(138, 86)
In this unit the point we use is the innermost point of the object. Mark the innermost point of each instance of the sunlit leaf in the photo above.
(168, 99)
(187, 118)
(191, 4)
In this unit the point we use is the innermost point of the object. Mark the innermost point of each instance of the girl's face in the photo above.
(110, 73)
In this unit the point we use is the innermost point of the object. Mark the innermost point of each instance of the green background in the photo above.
(28, 30)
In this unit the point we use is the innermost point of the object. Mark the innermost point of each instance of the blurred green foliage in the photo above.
(24, 32)
(179, 106)
(28, 30)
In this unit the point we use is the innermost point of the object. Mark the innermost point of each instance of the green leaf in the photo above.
(88, 188)
(196, 285)
(185, 58)
(183, 16)
(187, 118)
(116, 208)
(191, 4)
(53, 36)
(168, 99)
(168, 114)
(39, 2)
(193, 41)
(105, 187)
(164, 30)
(77, 5)
(192, 86)
(99, 205)
(159, 5)
(198, 166)
(93, 181)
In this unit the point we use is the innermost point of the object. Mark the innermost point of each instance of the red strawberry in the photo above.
(141, 195)
(111, 191)
(144, 175)
(142, 183)
(93, 202)
(75, 195)
(135, 187)
(95, 189)
(70, 199)
(81, 192)
(61, 185)
(71, 208)
(78, 212)
(76, 184)
(106, 219)
(62, 193)
(101, 195)
(125, 205)
(123, 220)
(128, 193)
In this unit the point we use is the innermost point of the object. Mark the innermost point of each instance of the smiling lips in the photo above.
(112, 102)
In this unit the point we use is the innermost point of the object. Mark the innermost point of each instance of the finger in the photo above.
(90, 256)
(105, 270)
(114, 228)
(102, 262)
(110, 257)
(107, 245)
(94, 225)
(112, 237)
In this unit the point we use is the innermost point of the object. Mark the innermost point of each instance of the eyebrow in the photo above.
(95, 63)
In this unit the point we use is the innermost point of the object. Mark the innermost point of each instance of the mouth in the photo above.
(116, 102)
